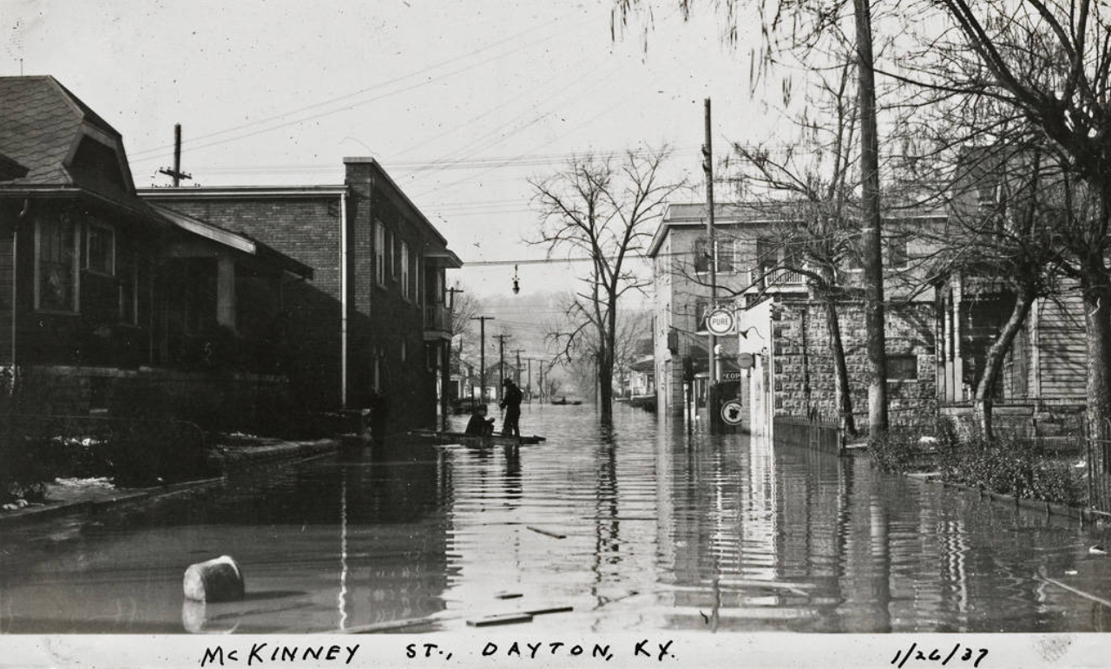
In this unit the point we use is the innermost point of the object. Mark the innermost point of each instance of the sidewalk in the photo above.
(79, 496)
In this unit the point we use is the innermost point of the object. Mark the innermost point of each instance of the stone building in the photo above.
(372, 328)
(786, 368)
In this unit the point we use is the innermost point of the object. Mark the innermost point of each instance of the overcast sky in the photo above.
(461, 101)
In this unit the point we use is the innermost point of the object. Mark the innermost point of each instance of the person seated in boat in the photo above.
(479, 425)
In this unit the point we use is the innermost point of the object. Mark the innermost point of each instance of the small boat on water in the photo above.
(566, 401)
(474, 440)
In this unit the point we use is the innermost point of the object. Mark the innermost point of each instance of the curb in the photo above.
(1084, 514)
(226, 462)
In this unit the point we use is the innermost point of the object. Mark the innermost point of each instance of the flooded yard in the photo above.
(641, 526)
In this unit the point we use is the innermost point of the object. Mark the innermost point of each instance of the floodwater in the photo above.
(638, 527)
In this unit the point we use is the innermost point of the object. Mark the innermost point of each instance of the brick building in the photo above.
(372, 326)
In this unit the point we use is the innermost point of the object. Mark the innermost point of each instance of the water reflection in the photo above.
(636, 525)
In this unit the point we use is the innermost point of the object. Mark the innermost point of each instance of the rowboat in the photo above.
(473, 440)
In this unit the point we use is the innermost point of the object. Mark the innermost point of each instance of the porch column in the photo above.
(225, 290)
(958, 362)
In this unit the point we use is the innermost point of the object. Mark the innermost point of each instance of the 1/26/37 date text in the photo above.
(939, 655)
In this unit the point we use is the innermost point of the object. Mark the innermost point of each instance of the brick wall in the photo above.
(306, 229)
(803, 364)
(229, 401)
(394, 334)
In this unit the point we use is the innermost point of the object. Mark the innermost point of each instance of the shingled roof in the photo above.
(61, 143)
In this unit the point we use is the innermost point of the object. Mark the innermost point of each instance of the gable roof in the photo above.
(61, 142)
(234, 240)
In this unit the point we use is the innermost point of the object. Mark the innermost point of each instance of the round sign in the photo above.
(720, 322)
(732, 412)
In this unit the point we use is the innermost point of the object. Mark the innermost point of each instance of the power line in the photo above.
(423, 82)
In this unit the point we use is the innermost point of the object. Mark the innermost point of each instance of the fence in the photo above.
(1098, 453)
(811, 432)
(133, 451)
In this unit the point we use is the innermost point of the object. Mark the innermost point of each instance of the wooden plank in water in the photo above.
(389, 626)
(550, 609)
(501, 619)
(508, 595)
(548, 533)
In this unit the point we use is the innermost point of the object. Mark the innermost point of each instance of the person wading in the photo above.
(511, 402)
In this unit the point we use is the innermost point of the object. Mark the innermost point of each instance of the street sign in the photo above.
(732, 412)
(745, 360)
(720, 322)
(732, 376)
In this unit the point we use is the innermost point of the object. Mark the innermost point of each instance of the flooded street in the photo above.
(641, 527)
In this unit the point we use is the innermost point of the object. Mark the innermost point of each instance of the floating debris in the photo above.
(550, 609)
(501, 619)
(508, 595)
(549, 533)
(217, 580)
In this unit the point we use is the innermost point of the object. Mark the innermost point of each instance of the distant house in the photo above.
(104, 297)
(372, 327)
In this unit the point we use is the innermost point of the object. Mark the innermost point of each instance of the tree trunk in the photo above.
(842, 393)
(1097, 323)
(605, 385)
(872, 250)
(993, 363)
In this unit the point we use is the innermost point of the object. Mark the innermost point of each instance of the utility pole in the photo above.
(541, 381)
(518, 352)
(529, 380)
(482, 354)
(708, 168)
(501, 363)
(176, 173)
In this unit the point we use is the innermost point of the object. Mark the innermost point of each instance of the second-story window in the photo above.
(701, 255)
(406, 284)
(380, 253)
(897, 254)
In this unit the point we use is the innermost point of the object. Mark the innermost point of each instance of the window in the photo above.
(100, 249)
(406, 284)
(701, 255)
(56, 263)
(897, 255)
(394, 264)
(380, 253)
(902, 368)
(129, 289)
(726, 255)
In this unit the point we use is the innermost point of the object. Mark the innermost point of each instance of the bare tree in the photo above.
(816, 229)
(605, 209)
(807, 23)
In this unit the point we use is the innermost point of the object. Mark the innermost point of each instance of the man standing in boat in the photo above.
(511, 402)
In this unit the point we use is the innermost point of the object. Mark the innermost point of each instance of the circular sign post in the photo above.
(720, 322)
(732, 413)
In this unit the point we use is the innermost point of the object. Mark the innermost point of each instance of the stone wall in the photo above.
(804, 379)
